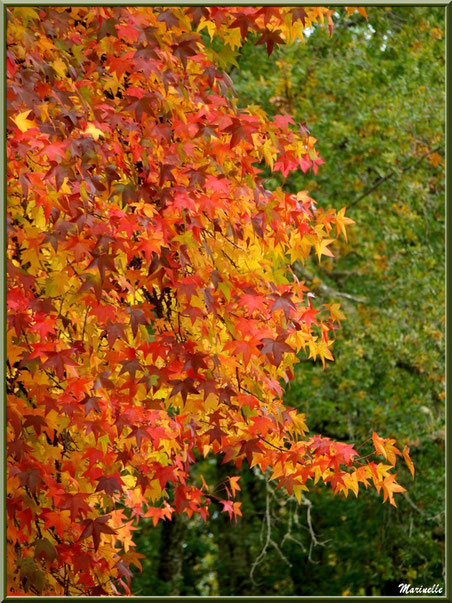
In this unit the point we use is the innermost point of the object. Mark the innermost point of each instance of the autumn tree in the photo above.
(153, 311)
(384, 160)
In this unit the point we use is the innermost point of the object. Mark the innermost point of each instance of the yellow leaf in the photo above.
(233, 482)
(23, 123)
(210, 25)
(335, 312)
(390, 486)
(14, 352)
(341, 222)
(298, 489)
(320, 348)
(383, 470)
(233, 37)
(322, 249)
(26, 13)
(352, 483)
(112, 83)
(94, 131)
(385, 446)
(154, 491)
(269, 153)
(60, 67)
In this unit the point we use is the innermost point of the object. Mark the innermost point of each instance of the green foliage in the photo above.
(373, 96)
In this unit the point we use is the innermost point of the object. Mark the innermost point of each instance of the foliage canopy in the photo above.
(153, 311)
(373, 95)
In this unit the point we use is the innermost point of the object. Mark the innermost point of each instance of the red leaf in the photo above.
(95, 528)
(270, 38)
(276, 348)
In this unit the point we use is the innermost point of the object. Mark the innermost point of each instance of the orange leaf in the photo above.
(408, 460)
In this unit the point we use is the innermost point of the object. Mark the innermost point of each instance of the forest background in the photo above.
(373, 95)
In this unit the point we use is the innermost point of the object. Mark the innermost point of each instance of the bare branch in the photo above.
(303, 273)
(391, 175)
(314, 540)
(288, 535)
(435, 518)
(261, 555)
(268, 538)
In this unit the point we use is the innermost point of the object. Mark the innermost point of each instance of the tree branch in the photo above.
(314, 540)
(392, 174)
(301, 271)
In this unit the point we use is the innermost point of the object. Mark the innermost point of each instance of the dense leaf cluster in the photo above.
(153, 311)
(373, 94)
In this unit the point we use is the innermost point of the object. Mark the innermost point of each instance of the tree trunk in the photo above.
(172, 553)
(234, 558)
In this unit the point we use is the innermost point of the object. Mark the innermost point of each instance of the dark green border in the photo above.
(4, 5)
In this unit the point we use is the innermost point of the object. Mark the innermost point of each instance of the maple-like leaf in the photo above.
(390, 487)
(233, 482)
(299, 14)
(188, 47)
(137, 317)
(77, 505)
(96, 527)
(249, 447)
(322, 249)
(253, 302)
(31, 478)
(270, 38)
(342, 221)
(184, 387)
(245, 348)
(244, 22)
(408, 461)
(283, 301)
(169, 18)
(131, 366)
(308, 316)
(335, 312)
(46, 550)
(139, 433)
(109, 484)
(36, 421)
(215, 434)
(22, 122)
(240, 131)
(57, 520)
(115, 330)
(385, 446)
(276, 348)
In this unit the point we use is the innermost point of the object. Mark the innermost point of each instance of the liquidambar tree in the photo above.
(153, 314)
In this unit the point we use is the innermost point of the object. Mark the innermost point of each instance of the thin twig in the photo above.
(391, 175)
(301, 271)
(268, 540)
(84, 322)
(314, 540)
(420, 511)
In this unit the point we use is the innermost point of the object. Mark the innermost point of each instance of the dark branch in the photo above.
(392, 174)
(301, 271)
